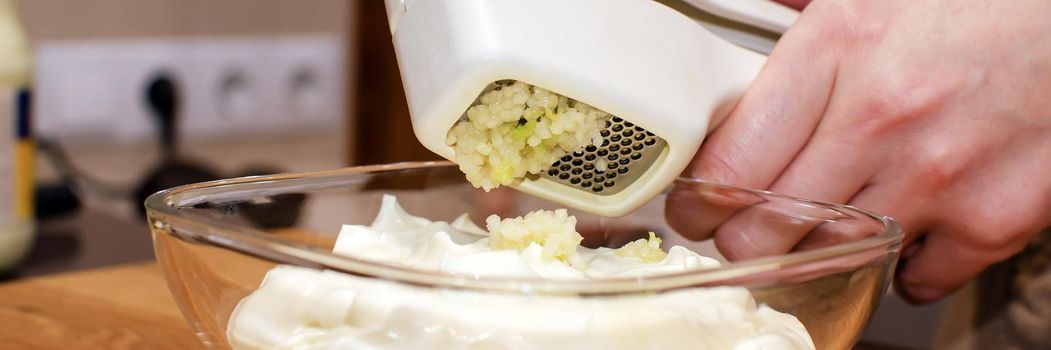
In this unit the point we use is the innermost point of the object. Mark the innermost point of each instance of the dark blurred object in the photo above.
(1003, 282)
(1013, 301)
(55, 200)
(171, 174)
(162, 96)
(278, 211)
(78, 181)
(384, 131)
(274, 212)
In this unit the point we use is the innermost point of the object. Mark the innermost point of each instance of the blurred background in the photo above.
(133, 96)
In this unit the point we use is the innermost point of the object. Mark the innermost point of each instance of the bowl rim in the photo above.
(163, 215)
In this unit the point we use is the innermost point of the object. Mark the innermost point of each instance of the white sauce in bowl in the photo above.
(301, 308)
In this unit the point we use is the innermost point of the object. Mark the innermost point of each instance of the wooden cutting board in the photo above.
(122, 307)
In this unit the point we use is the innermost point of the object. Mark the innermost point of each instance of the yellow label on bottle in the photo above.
(16, 157)
(24, 184)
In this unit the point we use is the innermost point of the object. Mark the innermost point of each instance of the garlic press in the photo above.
(659, 70)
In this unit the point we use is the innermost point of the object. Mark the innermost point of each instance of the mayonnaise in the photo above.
(303, 308)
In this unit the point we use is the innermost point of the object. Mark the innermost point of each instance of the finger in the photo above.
(876, 198)
(695, 209)
(780, 225)
(764, 131)
(896, 201)
(722, 112)
(830, 168)
(757, 232)
(942, 265)
(796, 4)
(749, 229)
(822, 171)
(600, 234)
(775, 117)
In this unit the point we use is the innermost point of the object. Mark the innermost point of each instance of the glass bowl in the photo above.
(216, 241)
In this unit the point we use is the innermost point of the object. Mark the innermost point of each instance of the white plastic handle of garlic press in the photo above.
(395, 9)
(764, 14)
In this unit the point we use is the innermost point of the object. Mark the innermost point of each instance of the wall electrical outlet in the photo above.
(229, 87)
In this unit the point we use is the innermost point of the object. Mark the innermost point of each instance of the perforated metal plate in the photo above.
(626, 152)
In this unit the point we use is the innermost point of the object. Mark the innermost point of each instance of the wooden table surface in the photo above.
(121, 307)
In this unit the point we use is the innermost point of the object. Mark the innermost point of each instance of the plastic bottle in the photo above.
(16, 144)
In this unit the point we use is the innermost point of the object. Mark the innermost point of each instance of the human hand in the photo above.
(934, 112)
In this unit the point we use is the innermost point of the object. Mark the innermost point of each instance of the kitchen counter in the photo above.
(122, 307)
